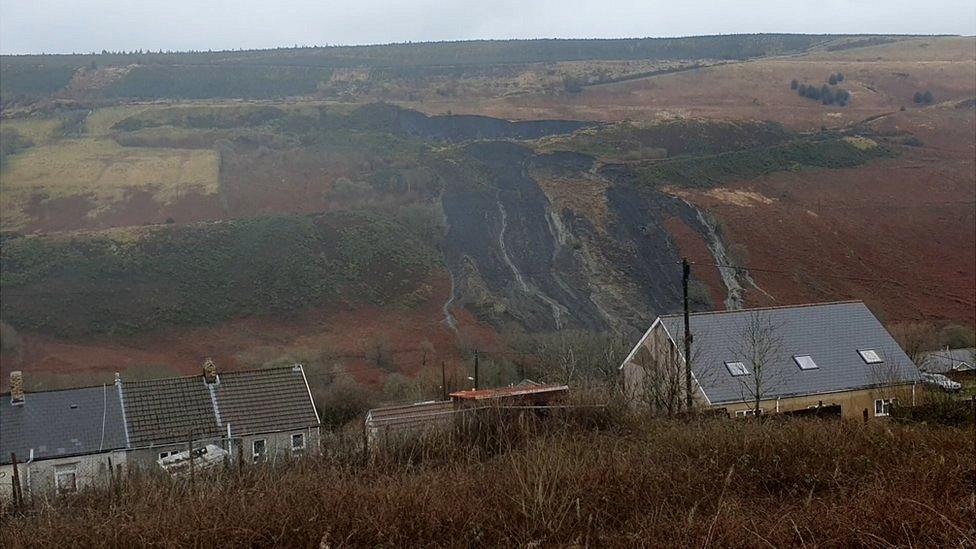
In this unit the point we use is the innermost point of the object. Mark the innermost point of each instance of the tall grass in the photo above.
(566, 481)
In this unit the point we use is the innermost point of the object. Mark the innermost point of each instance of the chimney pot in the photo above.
(210, 372)
(16, 388)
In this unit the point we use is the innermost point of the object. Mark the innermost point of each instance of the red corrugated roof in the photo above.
(503, 392)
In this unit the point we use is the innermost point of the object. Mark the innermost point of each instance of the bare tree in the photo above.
(759, 347)
(577, 358)
(915, 338)
(888, 379)
(660, 387)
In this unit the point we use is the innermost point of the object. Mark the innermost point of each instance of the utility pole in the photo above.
(685, 274)
(443, 382)
(476, 369)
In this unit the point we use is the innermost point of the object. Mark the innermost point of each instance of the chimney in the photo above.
(16, 388)
(210, 372)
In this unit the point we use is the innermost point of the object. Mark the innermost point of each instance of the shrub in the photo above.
(794, 84)
(559, 482)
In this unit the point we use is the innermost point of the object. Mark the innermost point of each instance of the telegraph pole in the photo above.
(476, 369)
(443, 382)
(685, 274)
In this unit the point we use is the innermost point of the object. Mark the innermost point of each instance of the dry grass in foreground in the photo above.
(661, 483)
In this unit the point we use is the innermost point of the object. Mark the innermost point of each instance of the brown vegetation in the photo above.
(659, 482)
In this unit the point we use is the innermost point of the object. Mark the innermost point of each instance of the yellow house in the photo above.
(773, 360)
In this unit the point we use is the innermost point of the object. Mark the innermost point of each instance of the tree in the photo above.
(794, 84)
(927, 97)
(802, 90)
(840, 77)
(915, 338)
(660, 383)
(917, 97)
(832, 80)
(759, 347)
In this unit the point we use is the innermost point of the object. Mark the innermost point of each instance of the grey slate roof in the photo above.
(949, 360)
(163, 411)
(265, 400)
(62, 423)
(831, 333)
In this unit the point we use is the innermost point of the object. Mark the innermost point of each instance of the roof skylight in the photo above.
(805, 362)
(737, 368)
(870, 356)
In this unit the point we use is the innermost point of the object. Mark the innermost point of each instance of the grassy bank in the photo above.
(134, 280)
(657, 483)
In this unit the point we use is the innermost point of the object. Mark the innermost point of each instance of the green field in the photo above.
(142, 278)
(101, 171)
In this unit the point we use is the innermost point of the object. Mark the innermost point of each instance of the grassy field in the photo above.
(131, 280)
(584, 480)
(102, 172)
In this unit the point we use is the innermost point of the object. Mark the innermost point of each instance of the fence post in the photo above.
(240, 457)
(189, 451)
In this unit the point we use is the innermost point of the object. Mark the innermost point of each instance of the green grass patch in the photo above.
(711, 171)
(212, 81)
(130, 281)
(670, 138)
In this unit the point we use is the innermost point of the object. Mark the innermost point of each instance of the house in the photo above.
(958, 364)
(260, 415)
(71, 439)
(63, 440)
(786, 358)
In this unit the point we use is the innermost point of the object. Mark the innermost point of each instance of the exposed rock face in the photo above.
(517, 256)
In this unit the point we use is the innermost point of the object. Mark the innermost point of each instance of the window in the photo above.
(749, 413)
(882, 406)
(258, 450)
(298, 441)
(737, 368)
(163, 455)
(805, 362)
(65, 478)
(870, 356)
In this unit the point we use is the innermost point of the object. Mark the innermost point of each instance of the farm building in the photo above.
(407, 420)
(398, 422)
(525, 393)
(787, 359)
(71, 439)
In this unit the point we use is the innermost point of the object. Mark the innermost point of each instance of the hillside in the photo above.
(362, 208)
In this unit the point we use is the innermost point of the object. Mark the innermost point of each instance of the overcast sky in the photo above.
(34, 26)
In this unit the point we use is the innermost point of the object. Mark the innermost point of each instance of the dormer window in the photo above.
(870, 356)
(737, 368)
(805, 362)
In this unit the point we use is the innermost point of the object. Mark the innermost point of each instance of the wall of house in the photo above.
(278, 447)
(852, 403)
(654, 378)
(37, 479)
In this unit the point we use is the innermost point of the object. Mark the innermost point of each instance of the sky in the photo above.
(52, 26)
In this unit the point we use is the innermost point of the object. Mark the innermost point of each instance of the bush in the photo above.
(12, 142)
(794, 84)
(654, 482)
